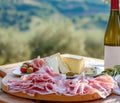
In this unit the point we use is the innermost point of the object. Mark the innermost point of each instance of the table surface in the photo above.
(7, 98)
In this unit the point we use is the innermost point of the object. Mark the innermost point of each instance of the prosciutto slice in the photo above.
(45, 81)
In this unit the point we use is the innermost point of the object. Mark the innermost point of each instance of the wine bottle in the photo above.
(112, 37)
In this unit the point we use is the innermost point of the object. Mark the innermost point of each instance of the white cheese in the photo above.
(90, 71)
(56, 63)
(53, 63)
(75, 63)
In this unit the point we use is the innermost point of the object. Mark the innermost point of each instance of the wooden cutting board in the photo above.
(49, 97)
(7, 98)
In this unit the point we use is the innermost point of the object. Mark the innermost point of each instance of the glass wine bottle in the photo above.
(112, 37)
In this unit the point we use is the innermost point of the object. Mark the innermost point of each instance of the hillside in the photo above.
(71, 8)
(19, 13)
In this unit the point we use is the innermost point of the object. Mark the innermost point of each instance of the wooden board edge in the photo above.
(2, 73)
(54, 97)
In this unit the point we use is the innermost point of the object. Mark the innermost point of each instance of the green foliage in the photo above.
(61, 38)
(94, 48)
(44, 27)
(93, 41)
(12, 47)
(48, 38)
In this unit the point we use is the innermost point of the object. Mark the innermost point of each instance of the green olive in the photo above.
(30, 70)
(70, 74)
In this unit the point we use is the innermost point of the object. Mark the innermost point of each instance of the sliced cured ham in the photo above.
(41, 82)
(38, 62)
(45, 81)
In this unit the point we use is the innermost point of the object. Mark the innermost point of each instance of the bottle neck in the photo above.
(114, 11)
(114, 4)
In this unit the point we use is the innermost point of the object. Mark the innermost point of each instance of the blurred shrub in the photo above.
(93, 48)
(48, 38)
(93, 41)
(94, 44)
(54, 38)
(12, 47)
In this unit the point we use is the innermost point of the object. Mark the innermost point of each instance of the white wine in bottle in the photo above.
(112, 37)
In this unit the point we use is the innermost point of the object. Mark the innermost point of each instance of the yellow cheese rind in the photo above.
(76, 64)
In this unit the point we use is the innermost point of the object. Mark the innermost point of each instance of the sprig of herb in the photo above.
(112, 71)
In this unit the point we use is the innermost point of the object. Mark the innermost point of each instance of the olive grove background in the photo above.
(29, 28)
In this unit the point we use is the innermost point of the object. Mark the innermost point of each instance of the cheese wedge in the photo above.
(75, 63)
(56, 64)
(62, 66)
(52, 62)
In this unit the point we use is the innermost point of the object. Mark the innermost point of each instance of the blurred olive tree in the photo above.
(56, 38)
(48, 38)
(12, 47)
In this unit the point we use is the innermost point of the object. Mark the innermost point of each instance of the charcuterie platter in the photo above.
(55, 86)
(48, 97)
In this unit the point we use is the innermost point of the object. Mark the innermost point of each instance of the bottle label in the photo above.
(111, 56)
